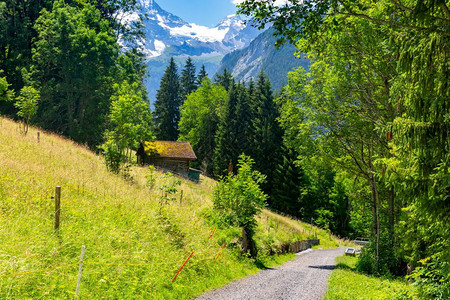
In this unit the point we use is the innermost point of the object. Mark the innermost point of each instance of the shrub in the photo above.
(433, 277)
(168, 189)
(239, 198)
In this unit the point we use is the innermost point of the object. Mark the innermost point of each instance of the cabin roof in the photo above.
(169, 149)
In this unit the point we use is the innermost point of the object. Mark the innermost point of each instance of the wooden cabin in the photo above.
(171, 156)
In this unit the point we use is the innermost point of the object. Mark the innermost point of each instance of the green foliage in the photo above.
(27, 105)
(151, 177)
(168, 189)
(266, 132)
(425, 247)
(375, 102)
(238, 198)
(5, 93)
(129, 116)
(69, 51)
(387, 263)
(323, 218)
(234, 133)
(74, 63)
(432, 276)
(129, 123)
(199, 120)
(114, 158)
(289, 182)
(167, 104)
(17, 19)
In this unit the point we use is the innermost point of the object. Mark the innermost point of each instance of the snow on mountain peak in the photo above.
(164, 30)
(199, 32)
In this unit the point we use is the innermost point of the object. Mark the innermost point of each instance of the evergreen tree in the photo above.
(167, 104)
(201, 75)
(267, 133)
(289, 180)
(188, 79)
(225, 79)
(233, 136)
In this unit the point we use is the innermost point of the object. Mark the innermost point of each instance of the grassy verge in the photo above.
(346, 283)
(134, 246)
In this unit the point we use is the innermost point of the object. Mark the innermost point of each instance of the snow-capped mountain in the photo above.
(163, 30)
(167, 35)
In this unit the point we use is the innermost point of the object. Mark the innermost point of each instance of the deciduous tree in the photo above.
(27, 105)
(200, 116)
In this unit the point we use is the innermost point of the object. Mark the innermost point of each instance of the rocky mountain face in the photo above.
(262, 54)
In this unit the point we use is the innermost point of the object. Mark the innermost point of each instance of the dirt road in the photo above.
(305, 277)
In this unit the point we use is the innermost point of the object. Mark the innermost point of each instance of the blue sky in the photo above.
(202, 12)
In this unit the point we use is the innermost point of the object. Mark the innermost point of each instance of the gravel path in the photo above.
(305, 277)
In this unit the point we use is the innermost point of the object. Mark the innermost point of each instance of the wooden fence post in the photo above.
(39, 136)
(57, 206)
(181, 197)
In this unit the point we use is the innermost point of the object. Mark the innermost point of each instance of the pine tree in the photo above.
(167, 104)
(288, 181)
(188, 79)
(201, 75)
(234, 132)
(267, 133)
(225, 79)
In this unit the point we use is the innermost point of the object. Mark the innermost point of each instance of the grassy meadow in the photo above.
(134, 247)
(347, 283)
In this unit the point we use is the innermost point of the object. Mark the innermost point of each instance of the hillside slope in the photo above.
(133, 247)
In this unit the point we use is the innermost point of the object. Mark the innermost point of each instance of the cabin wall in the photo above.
(176, 166)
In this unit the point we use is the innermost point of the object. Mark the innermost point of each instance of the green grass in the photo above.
(346, 283)
(133, 248)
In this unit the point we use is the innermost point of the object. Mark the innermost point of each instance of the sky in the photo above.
(202, 12)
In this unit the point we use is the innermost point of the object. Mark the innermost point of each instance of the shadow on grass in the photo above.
(260, 265)
(345, 267)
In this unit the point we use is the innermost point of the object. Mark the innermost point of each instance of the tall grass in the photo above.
(133, 248)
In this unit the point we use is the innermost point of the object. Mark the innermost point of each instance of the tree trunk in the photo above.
(374, 208)
(377, 196)
(376, 217)
(248, 244)
(391, 212)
